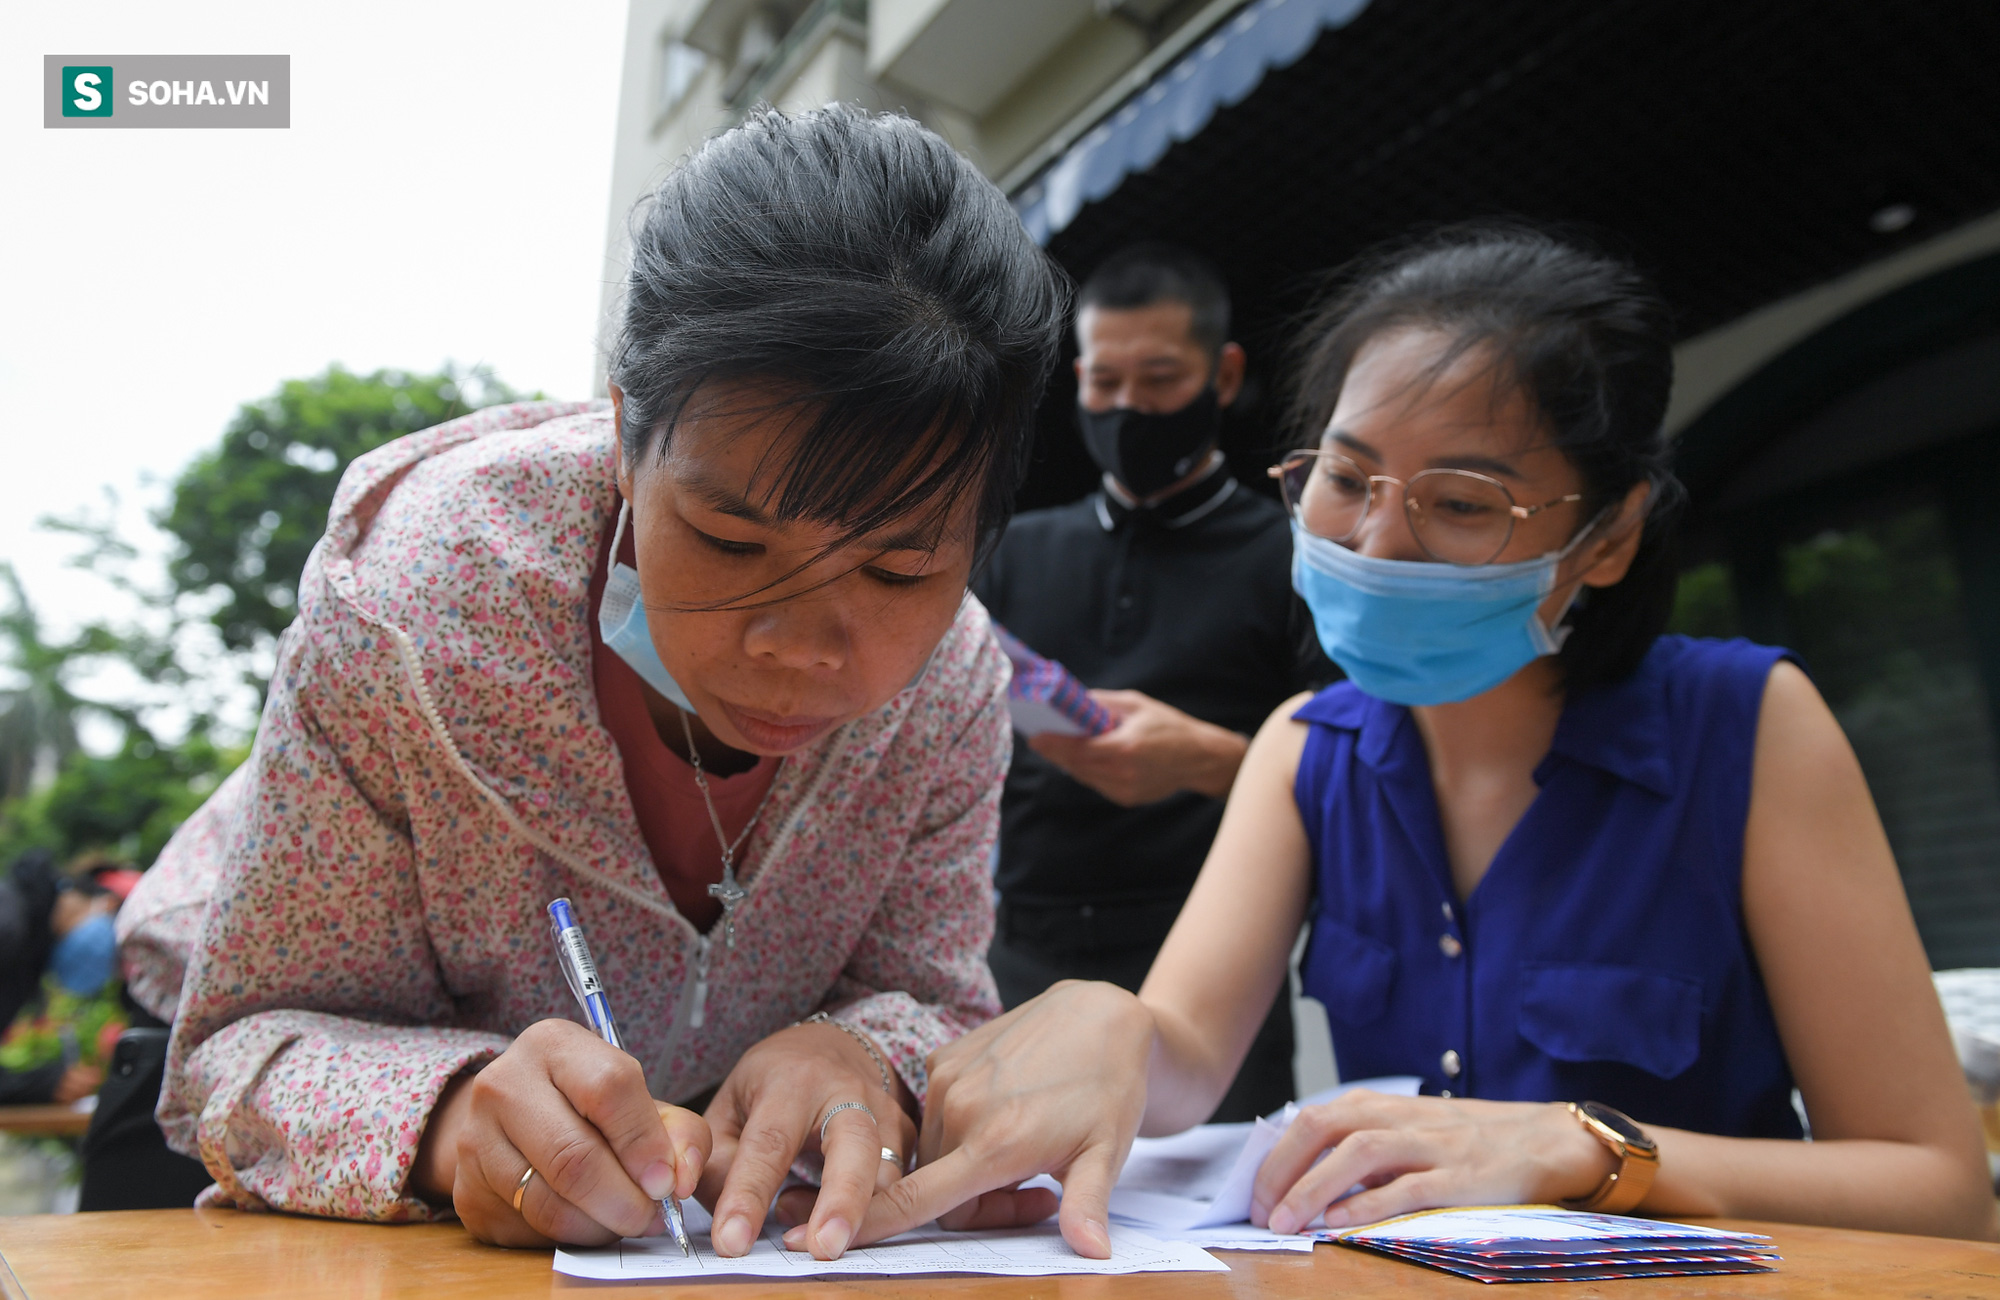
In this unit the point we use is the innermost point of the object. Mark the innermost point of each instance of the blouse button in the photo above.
(1451, 1064)
(1449, 945)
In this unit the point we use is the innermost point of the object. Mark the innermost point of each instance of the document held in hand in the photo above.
(1045, 696)
(1194, 1187)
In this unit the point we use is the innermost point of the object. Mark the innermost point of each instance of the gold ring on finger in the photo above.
(521, 1188)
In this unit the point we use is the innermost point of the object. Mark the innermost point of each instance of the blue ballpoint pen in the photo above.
(580, 970)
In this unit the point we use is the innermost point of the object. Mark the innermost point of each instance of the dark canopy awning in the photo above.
(1739, 152)
(1218, 72)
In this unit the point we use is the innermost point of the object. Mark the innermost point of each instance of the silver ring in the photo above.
(841, 1106)
(521, 1188)
(889, 1154)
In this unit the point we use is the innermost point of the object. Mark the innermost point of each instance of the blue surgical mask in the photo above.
(621, 621)
(1412, 632)
(85, 958)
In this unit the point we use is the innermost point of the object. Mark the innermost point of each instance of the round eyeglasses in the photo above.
(1456, 515)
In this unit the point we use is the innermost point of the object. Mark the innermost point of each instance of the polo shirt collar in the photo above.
(1190, 505)
(1622, 728)
(1376, 722)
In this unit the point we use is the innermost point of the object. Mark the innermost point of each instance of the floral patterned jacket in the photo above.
(358, 911)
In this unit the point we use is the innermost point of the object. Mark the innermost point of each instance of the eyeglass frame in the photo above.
(1515, 510)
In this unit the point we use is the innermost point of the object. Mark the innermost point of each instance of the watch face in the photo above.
(1617, 1121)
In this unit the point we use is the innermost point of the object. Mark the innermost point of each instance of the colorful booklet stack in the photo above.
(1045, 696)
(1543, 1243)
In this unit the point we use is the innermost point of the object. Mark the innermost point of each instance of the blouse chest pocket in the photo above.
(1612, 1013)
(1348, 972)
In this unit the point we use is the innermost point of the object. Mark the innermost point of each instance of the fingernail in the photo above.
(690, 1166)
(1336, 1218)
(732, 1238)
(834, 1235)
(1098, 1230)
(796, 1238)
(658, 1180)
(658, 1226)
(1284, 1222)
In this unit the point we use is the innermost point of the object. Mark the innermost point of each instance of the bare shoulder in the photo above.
(1281, 719)
(1799, 742)
(1275, 749)
(1812, 820)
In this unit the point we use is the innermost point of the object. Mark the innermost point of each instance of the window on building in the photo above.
(680, 66)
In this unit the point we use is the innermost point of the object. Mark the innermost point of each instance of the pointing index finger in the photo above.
(919, 1197)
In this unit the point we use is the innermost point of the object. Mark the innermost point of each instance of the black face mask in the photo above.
(1149, 453)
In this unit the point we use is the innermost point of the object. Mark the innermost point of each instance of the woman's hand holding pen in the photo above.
(771, 1108)
(575, 1110)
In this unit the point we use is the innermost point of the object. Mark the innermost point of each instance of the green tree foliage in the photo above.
(247, 512)
(128, 803)
(39, 707)
(1705, 602)
(244, 516)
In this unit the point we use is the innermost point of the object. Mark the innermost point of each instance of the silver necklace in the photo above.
(728, 892)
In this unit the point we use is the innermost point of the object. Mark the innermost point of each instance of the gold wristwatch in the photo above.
(1638, 1158)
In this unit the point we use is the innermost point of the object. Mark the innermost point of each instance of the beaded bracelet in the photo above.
(821, 1018)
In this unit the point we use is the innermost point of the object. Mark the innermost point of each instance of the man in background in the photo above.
(1168, 592)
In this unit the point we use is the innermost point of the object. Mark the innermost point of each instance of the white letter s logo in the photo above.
(87, 98)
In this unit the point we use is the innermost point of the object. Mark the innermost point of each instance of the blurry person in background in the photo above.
(1167, 589)
(51, 924)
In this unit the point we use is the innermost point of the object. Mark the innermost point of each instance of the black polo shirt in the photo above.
(1189, 601)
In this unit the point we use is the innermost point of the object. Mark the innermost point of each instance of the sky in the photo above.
(441, 195)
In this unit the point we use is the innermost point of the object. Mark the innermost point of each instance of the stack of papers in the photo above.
(1044, 696)
(1541, 1243)
(1194, 1187)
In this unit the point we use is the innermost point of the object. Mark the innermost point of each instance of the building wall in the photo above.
(999, 79)
(1710, 365)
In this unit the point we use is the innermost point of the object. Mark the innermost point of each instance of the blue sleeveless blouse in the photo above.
(1603, 955)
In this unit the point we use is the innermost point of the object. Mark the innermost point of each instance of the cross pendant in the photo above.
(730, 894)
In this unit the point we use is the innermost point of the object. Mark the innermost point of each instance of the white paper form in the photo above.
(1203, 1178)
(1239, 1236)
(1039, 1251)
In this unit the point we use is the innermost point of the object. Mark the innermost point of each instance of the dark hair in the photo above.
(878, 285)
(1584, 337)
(1142, 274)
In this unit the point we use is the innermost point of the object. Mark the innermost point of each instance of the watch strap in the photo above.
(1624, 1187)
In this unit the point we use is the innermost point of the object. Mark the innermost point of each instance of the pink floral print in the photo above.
(357, 914)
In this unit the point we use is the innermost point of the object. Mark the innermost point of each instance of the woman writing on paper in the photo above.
(1545, 853)
(700, 660)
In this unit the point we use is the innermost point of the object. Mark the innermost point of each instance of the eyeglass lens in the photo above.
(1457, 516)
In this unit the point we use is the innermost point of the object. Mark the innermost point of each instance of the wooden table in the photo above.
(49, 1120)
(221, 1254)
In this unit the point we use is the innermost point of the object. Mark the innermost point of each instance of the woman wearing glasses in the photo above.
(1610, 894)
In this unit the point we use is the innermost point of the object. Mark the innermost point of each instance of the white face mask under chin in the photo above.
(621, 622)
